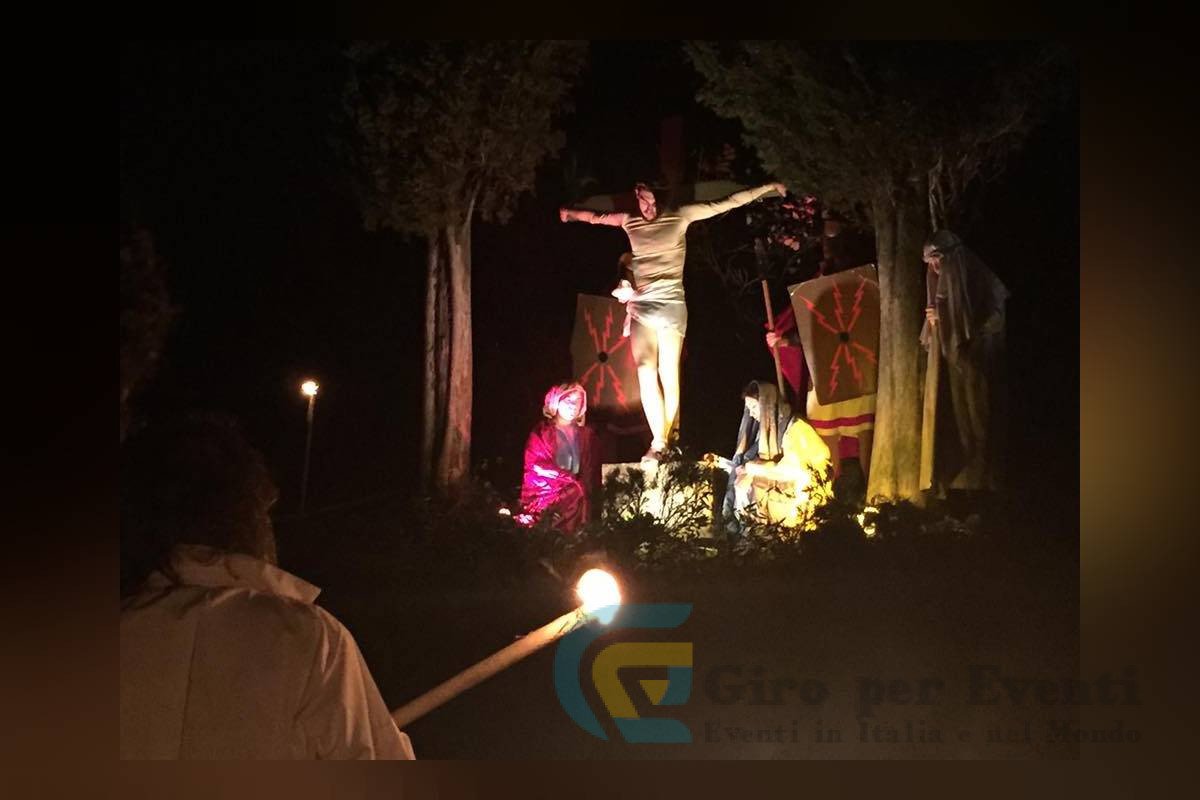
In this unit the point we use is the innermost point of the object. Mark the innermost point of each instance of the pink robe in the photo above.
(565, 495)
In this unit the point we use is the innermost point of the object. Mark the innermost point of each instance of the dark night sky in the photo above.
(225, 157)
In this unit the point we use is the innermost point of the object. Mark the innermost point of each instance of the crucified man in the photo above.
(655, 301)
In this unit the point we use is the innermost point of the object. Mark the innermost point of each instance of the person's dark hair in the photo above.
(750, 390)
(193, 480)
(662, 196)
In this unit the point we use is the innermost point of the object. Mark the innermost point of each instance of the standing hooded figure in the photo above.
(765, 417)
(964, 318)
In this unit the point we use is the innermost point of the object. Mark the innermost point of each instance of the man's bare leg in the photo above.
(670, 350)
(644, 341)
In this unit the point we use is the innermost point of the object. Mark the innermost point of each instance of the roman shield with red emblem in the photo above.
(838, 320)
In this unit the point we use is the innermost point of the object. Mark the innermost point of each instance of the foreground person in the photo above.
(223, 654)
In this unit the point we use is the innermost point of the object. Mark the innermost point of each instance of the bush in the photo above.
(657, 524)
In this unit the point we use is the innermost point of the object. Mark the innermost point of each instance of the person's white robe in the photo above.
(237, 663)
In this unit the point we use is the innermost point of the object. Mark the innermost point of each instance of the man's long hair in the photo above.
(193, 480)
(664, 199)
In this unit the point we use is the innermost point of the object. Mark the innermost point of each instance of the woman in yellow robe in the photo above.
(789, 490)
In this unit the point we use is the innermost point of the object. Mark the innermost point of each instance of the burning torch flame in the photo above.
(599, 594)
(309, 388)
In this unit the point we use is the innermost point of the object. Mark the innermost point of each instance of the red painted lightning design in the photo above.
(605, 370)
(837, 307)
(607, 325)
(857, 310)
(844, 350)
(819, 317)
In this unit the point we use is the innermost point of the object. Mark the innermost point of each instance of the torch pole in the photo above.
(481, 671)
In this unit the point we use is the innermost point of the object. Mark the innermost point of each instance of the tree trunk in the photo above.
(447, 396)
(437, 360)
(901, 224)
(454, 461)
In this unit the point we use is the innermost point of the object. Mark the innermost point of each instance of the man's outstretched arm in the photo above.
(613, 218)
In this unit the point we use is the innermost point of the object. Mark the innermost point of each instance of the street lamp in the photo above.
(308, 389)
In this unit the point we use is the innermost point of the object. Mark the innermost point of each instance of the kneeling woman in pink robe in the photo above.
(562, 471)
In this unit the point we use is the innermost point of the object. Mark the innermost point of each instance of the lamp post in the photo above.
(308, 389)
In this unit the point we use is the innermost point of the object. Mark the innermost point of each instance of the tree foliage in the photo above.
(848, 122)
(443, 129)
